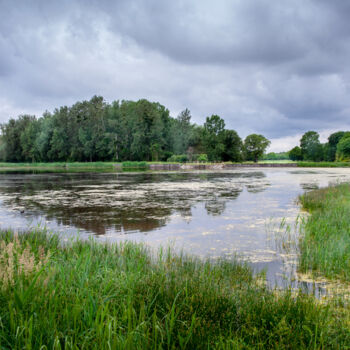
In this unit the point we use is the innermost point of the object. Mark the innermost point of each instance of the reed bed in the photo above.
(325, 243)
(86, 295)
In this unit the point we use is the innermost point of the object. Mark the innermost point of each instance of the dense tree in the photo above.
(181, 132)
(17, 149)
(94, 130)
(330, 148)
(255, 146)
(343, 148)
(276, 156)
(213, 137)
(295, 153)
(232, 146)
(311, 147)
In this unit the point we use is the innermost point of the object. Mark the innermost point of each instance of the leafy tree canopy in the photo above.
(255, 146)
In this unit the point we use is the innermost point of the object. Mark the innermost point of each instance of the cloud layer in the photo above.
(265, 66)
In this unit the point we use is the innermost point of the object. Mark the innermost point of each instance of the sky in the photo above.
(272, 67)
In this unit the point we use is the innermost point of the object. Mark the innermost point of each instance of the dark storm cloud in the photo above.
(273, 67)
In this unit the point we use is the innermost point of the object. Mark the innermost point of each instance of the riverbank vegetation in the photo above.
(95, 130)
(325, 245)
(87, 295)
(337, 149)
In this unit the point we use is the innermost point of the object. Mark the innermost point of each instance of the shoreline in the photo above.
(154, 166)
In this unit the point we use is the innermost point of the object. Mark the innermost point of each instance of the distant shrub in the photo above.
(178, 158)
(135, 165)
(203, 158)
(166, 155)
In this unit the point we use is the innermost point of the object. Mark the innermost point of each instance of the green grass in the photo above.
(323, 164)
(57, 164)
(280, 161)
(87, 295)
(136, 165)
(59, 167)
(325, 244)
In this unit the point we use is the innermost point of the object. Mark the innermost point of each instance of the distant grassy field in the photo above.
(325, 246)
(86, 295)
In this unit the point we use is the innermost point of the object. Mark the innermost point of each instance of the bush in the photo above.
(138, 165)
(178, 158)
(202, 158)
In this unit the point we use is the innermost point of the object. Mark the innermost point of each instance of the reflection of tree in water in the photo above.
(307, 186)
(215, 207)
(124, 203)
(185, 211)
(100, 220)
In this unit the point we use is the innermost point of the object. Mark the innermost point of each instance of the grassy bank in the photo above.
(134, 165)
(325, 246)
(323, 164)
(95, 296)
(59, 167)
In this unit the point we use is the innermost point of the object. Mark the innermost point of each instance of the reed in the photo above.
(86, 295)
(325, 242)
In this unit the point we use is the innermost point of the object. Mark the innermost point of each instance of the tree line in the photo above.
(311, 149)
(140, 130)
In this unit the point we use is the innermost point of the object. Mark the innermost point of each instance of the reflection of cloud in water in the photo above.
(124, 203)
(207, 213)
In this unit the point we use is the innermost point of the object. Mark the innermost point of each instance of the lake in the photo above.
(233, 213)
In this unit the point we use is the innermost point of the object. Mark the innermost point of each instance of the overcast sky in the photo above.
(278, 68)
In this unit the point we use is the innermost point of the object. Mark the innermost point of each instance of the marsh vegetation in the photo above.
(119, 296)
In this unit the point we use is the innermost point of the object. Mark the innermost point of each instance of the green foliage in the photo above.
(18, 137)
(323, 164)
(295, 153)
(233, 146)
(99, 296)
(131, 165)
(311, 147)
(122, 131)
(202, 158)
(213, 137)
(276, 156)
(178, 158)
(325, 245)
(343, 148)
(255, 146)
(331, 146)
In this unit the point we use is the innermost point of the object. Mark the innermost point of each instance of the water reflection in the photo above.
(99, 203)
(224, 213)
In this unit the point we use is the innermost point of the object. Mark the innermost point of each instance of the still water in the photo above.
(223, 213)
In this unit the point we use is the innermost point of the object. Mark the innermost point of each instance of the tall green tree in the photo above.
(12, 133)
(343, 148)
(295, 154)
(213, 136)
(311, 147)
(233, 146)
(331, 146)
(181, 132)
(255, 146)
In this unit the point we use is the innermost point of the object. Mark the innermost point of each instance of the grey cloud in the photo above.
(266, 66)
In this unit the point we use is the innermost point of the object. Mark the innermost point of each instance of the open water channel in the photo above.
(231, 213)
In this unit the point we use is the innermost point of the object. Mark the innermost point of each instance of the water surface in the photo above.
(221, 213)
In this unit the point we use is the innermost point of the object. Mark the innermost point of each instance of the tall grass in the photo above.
(307, 164)
(135, 165)
(325, 244)
(85, 295)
